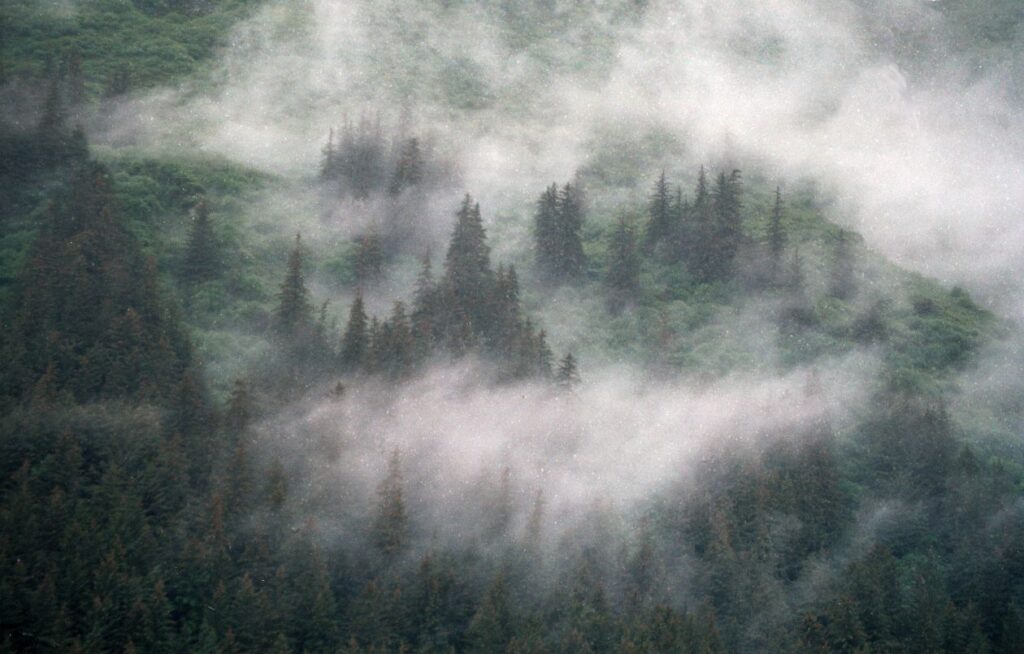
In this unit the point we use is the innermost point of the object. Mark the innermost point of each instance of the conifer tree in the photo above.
(776, 232)
(726, 233)
(623, 267)
(355, 341)
(369, 258)
(202, 260)
(239, 409)
(468, 276)
(409, 169)
(425, 309)
(570, 222)
(391, 522)
(568, 375)
(294, 311)
(660, 223)
(545, 231)
(395, 356)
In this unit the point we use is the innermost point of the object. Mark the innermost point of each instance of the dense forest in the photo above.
(398, 396)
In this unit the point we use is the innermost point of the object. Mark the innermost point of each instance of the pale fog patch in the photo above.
(613, 444)
(928, 165)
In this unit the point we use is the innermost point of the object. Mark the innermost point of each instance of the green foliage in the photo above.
(151, 42)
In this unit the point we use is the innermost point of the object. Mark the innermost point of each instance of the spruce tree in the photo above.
(409, 169)
(202, 261)
(391, 522)
(776, 232)
(294, 311)
(425, 309)
(568, 375)
(727, 230)
(660, 223)
(468, 275)
(623, 267)
(355, 341)
(545, 232)
(369, 259)
(570, 222)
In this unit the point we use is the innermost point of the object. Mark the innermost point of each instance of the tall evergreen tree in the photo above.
(468, 279)
(355, 341)
(545, 231)
(294, 311)
(409, 168)
(776, 232)
(570, 222)
(568, 374)
(661, 221)
(391, 522)
(202, 260)
(623, 267)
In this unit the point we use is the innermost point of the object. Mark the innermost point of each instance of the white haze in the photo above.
(615, 443)
(928, 166)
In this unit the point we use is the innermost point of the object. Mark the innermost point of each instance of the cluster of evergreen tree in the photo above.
(707, 238)
(705, 235)
(471, 308)
(31, 157)
(87, 319)
(556, 229)
(365, 162)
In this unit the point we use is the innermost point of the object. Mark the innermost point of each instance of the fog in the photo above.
(616, 444)
(918, 146)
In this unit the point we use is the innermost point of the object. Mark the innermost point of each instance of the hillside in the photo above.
(421, 327)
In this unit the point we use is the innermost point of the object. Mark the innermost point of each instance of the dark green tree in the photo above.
(202, 260)
(294, 312)
(661, 223)
(390, 526)
(355, 341)
(568, 374)
(409, 168)
(468, 278)
(623, 268)
(776, 234)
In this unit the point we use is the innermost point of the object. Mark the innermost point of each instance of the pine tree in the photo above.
(776, 232)
(623, 267)
(329, 163)
(557, 222)
(660, 224)
(545, 231)
(570, 221)
(294, 311)
(568, 375)
(369, 259)
(425, 310)
(355, 342)
(396, 357)
(727, 229)
(391, 523)
(469, 280)
(492, 627)
(202, 260)
(409, 169)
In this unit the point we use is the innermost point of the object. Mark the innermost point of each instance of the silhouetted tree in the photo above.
(294, 311)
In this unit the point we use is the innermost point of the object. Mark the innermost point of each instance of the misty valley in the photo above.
(508, 326)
